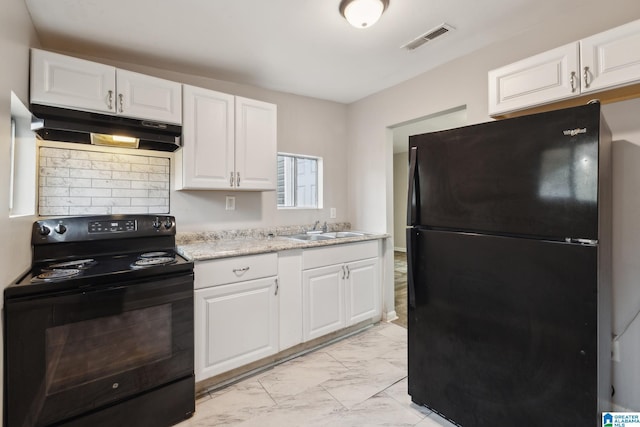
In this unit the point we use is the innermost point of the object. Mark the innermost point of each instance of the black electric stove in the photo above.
(99, 331)
(80, 252)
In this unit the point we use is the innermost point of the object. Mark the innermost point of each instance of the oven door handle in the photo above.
(90, 302)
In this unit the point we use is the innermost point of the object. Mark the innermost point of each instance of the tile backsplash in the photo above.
(80, 182)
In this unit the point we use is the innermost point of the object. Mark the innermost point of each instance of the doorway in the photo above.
(452, 118)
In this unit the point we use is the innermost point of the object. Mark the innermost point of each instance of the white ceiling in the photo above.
(303, 47)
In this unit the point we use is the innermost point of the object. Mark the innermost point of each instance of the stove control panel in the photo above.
(112, 226)
(78, 229)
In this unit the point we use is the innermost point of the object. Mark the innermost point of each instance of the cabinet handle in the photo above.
(110, 99)
(121, 98)
(586, 77)
(573, 81)
(238, 180)
(230, 179)
(240, 270)
(348, 272)
(277, 286)
(344, 273)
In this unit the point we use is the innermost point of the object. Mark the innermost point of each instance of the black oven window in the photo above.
(85, 351)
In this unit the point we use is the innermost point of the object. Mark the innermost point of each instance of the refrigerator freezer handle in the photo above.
(411, 290)
(413, 201)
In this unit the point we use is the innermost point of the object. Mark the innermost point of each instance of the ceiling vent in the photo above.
(433, 33)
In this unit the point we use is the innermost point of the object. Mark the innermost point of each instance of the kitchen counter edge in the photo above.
(216, 249)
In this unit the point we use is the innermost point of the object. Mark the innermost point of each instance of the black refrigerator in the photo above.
(509, 270)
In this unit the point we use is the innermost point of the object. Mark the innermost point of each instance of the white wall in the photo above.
(464, 82)
(16, 35)
(622, 117)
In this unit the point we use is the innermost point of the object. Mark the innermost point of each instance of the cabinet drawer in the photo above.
(329, 255)
(235, 269)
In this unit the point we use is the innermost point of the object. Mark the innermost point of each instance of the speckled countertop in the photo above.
(229, 243)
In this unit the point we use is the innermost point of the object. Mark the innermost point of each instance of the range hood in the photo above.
(61, 124)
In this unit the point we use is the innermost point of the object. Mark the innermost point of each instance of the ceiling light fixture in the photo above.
(363, 13)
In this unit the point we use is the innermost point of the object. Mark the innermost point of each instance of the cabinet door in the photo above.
(362, 291)
(540, 79)
(208, 140)
(611, 58)
(63, 81)
(256, 145)
(146, 97)
(235, 324)
(322, 301)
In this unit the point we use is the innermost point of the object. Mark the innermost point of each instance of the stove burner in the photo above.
(80, 264)
(149, 262)
(63, 273)
(154, 254)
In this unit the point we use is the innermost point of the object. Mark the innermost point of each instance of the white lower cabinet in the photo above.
(323, 301)
(362, 295)
(251, 307)
(235, 323)
(339, 294)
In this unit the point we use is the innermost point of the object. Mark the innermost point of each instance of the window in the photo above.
(299, 181)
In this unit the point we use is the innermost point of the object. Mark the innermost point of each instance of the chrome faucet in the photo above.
(315, 225)
(324, 227)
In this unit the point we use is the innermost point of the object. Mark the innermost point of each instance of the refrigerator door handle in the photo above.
(411, 291)
(413, 201)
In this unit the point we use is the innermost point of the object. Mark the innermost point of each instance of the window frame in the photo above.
(319, 186)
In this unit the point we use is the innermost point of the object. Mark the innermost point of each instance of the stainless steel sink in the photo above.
(339, 234)
(314, 236)
(310, 237)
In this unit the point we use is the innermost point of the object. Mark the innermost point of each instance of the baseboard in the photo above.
(389, 316)
(400, 250)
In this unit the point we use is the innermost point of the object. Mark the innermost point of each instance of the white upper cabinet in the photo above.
(256, 144)
(63, 81)
(229, 143)
(543, 78)
(146, 97)
(598, 63)
(611, 58)
(206, 160)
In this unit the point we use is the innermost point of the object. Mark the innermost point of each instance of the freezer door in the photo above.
(503, 330)
(535, 175)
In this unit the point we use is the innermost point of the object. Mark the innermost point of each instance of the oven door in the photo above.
(74, 352)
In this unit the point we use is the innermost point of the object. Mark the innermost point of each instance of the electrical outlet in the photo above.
(615, 350)
(230, 203)
(332, 212)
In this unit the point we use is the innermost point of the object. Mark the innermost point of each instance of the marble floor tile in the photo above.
(240, 402)
(359, 381)
(311, 406)
(297, 375)
(363, 380)
(379, 410)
